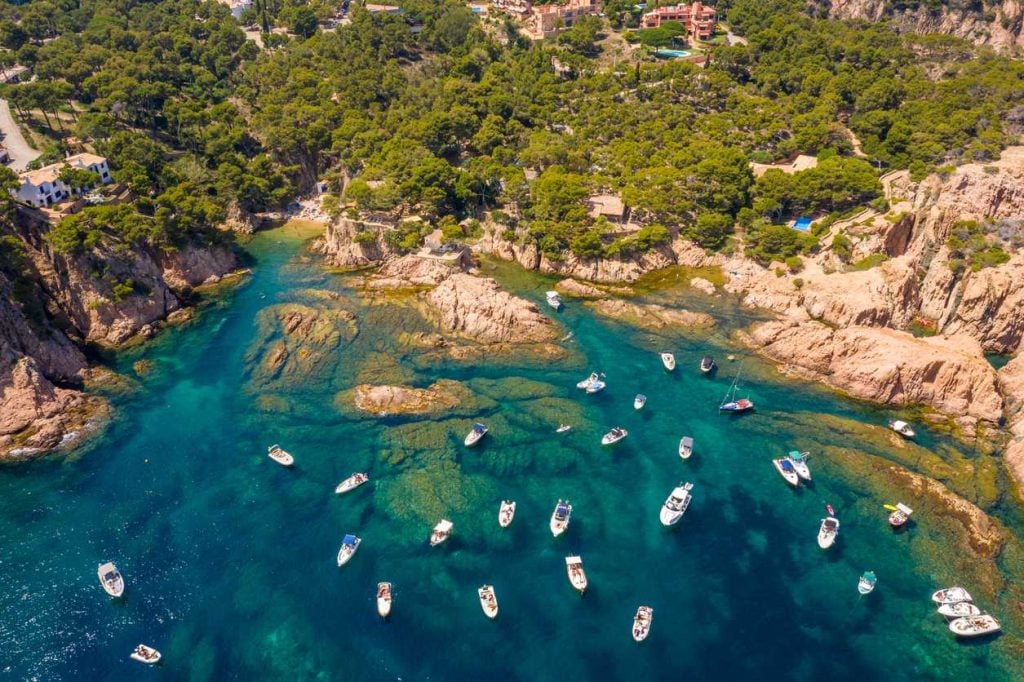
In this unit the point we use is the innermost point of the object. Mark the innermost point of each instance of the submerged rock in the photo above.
(577, 289)
(651, 316)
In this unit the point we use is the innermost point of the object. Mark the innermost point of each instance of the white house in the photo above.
(43, 187)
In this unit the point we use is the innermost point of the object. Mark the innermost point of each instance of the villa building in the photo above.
(698, 19)
(43, 187)
(548, 20)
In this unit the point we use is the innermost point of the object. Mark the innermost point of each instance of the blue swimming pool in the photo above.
(671, 54)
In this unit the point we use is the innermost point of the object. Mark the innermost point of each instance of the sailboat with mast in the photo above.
(730, 403)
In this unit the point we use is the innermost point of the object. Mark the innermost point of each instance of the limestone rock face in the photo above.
(650, 316)
(889, 367)
(476, 308)
(439, 397)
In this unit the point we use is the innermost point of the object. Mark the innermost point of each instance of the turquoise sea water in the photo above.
(230, 559)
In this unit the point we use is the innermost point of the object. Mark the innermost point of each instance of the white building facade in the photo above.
(43, 187)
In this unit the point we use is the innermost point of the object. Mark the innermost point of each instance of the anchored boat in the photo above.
(707, 364)
(902, 428)
(799, 461)
(828, 532)
(730, 403)
(867, 582)
(560, 517)
(685, 447)
(475, 434)
(668, 361)
(349, 545)
(506, 512)
(614, 436)
(592, 384)
(442, 531)
(554, 300)
(383, 599)
(577, 577)
(960, 609)
(562, 428)
(787, 471)
(974, 626)
(676, 504)
(146, 654)
(488, 601)
(951, 595)
(111, 579)
(642, 623)
(351, 483)
(275, 453)
(639, 401)
(900, 515)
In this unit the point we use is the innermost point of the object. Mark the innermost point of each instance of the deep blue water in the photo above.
(230, 559)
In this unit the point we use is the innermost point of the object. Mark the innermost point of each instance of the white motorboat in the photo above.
(592, 384)
(707, 364)
(351, 483)
(383, 599)
(111, 579)
(614, 436)
(787, 471)
(668, 361)
(642, 623)
(560, 517)
(275, 453)
(488, 601)
(639, 401)
(828, 532)
(867, 582)
(902, 428)
(554, 300)
(146, 654)
(960, 609)
(799, 461)
(475, 434)
(442, 531)
(577, 576)
(974, 626)
(676, 504)
(349, 545)
(506, 512)
(562, 428)
(900, 515)
(685, 447)
(951, 595)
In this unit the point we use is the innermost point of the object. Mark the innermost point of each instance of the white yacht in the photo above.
(668, 361)
(974, 626)
(787, 471)
(642, 623)
(442, 531)
(685, 447)
(349, 545)
(676, 504)
(488, 601)
(351, 483)
(614, 436)
(799, 461)
(506, 512)
(383, 599)
(639, 401)
(902, 428)
(592, 384)
(275, 453)
(111, 579)
(146, 654)
(577, 576)
(560, 517)
(828, 532)
(960, 609)
(475, 434)
(554, 300)
(951, 595)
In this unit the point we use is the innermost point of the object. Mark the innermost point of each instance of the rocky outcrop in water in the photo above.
(651, 316)
(1011, 383)
(477, 308)
(441, 396)
(887, 366)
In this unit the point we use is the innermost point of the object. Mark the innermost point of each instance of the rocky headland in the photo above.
(650, 315)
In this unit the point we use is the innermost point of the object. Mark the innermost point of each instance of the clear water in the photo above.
(230, 558)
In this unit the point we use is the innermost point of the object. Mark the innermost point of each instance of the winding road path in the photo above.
(18, 149)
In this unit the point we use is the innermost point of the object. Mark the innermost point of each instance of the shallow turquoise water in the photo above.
(230, 559)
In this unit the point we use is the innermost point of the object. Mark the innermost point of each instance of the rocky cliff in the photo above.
(991, 22)
(352, 244)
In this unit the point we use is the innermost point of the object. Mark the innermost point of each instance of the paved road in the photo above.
(18, 149)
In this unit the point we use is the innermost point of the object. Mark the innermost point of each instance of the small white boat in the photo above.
(676, 504)
(383, 599)
(642, 623)
(475, 434)
(799, 462)
(351, 483)
(111, 579)
(562, 428)
(668, 361)
(900, 515)
(974, 626)
(867, 582)
(275, 453)
(560, 517)
(951, 595)
(577, 576)
(787, 471)
(828, 532)
(960, 609)
(146, 654)
(488, 601)
(707, 364)
(685, 447)
(614, 436)
(902, 428)
(442, 531)
(506, 512)
(349, 545)
(639, 401)
(554, 300)
(592, 384)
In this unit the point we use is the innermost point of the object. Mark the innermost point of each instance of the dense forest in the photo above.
(461, 117)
